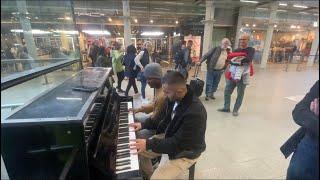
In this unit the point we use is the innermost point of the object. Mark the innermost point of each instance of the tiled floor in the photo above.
(247, 146)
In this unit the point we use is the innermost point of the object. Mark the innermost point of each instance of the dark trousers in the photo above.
(230, 85)
(304, 163)
(131, 83)
(212, 82)
(143, 86)
(120, 76)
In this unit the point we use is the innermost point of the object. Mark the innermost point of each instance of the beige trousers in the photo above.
(167, 169)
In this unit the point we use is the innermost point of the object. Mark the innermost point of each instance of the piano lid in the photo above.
(62, 101)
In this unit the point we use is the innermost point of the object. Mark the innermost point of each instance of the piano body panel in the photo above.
(40, 151)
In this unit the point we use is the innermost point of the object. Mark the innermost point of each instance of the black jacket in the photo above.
(308, 121)
(185, 134)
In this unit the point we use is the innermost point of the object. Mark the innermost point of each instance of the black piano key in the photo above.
(123, 134)
(123, 126)
(123, 164)
(123, 140)
(123, 152)
(122, 130)
(125, 146)
(123, 156)
(123, 161)
(123, 121)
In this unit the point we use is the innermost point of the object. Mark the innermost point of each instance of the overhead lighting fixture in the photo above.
(247, 25)
(281, 10)
(275, 25)
(36, 17)
(118, 33)
(254, 25)
(315, 24)
(298, 27)
(67, 18)
(299, 6)
(164, 9)
(177, 22)
(293, 26)
(283, 4)
(66, 32)
(303, 13)
(152, 34)
(33, 31)
(136, 20)
(263, 9)
(151, 21)
(253, 2)
(96, 32)
(109, 19)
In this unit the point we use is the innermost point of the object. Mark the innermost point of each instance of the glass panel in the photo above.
(18, 95)
(36, 33)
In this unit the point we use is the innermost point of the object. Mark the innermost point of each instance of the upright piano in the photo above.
(77, 130)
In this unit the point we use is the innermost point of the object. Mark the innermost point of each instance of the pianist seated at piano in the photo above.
(180, 135)
(153, 74)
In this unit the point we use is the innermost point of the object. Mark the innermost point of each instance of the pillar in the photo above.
(208, 28)
(267, 42)
(314, 47)
(239, 26)
(127, 23)
(27, 30)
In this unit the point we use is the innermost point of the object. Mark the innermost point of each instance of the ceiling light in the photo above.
(151, 21)
(28, 17)
(263, 9)
(67, 18)
(136, 20)
(281, 10)
(254, 25)
(245, 1)
(275, 25)
(66, 32)
(293, 26)
(96, 32)
(283, 4)
(315, 24)
(152, 33)
(177, 22)
(303, 13)
(299, 6)
(109, 19)
(247, 25)
(298, 27)
(118, 33)
(254, 31)
(36, 17)
(34, 31)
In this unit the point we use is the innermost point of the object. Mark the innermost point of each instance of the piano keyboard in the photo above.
(90, 121)
(126, 160)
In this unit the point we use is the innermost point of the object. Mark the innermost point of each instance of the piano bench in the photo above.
(191, 171)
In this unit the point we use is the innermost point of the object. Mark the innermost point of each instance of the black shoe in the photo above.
(235, 113)
(207, 98)
(212, 97)
(224, 110)
(121, 91)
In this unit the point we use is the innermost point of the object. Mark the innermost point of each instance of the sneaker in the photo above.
(224, 110)
(235, 113)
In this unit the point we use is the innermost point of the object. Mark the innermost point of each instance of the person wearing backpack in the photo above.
(141, 60)
(216, 63)
(129, 64)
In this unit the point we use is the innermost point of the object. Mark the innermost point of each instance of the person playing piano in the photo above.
(180, 135)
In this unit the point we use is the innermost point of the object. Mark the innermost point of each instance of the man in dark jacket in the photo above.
(216, 62)
(180, 135)
(304, 143)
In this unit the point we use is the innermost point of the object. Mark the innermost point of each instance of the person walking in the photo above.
(102, 58)
(93, 52)
(241, 85)
(129, 64)
(141, 60)
(216, 63)
(117, 57)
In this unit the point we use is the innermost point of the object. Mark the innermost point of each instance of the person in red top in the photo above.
(230, 85)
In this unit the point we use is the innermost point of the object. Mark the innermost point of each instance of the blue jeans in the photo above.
(212, 82)
(230, 85)
(304, 163)
(143, 86)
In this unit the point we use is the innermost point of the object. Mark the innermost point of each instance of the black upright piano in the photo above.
(77, 130)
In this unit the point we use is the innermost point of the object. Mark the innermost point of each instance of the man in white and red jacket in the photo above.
(241, 84)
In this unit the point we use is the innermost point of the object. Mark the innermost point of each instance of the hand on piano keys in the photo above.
(136, 126)
(139, 144)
